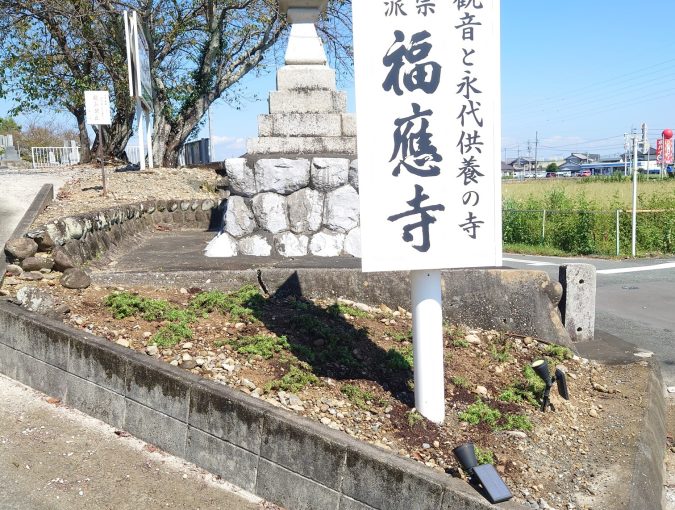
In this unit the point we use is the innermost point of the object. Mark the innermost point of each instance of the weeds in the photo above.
(357, 396)
(340, 309)
(480, 412)
(171, 334)
(501, 355)
(516, 422)
(484, 456)
(399, 359)
(245, 303)
(460, 382)
(558, 352)
(295, 380)
(264, 346)
(460, 342)
(414, 418)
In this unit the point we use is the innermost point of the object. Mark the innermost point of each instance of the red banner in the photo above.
(668, 151)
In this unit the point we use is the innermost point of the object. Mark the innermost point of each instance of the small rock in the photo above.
(174, 363)
(528, 340)
(13, 270)
(189, 364)
(200, 361)
(426, 446)
(187, 345)
(147, 334)
(37, 263)
(644, 354)
(35, 300)
(74, 278)
(248, 384)
(123, 342)
(593, 413)
(186, 357)
(183, 290)
(326, 421)
(519, 434)
(671, 389)
(62, 260)
(152, 350)
(31, 276)
(472, 339)
(21, 248)
(481, 390)
(239, 326)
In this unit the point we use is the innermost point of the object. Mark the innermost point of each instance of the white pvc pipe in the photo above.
(428, 344)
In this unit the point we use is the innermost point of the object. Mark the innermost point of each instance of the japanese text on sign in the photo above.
(428, 133)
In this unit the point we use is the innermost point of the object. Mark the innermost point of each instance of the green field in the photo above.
(607, 194)
(582, 216)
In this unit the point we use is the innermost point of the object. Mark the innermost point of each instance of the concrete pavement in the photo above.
(53, 457)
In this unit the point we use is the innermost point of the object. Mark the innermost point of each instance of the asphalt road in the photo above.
(635, 301)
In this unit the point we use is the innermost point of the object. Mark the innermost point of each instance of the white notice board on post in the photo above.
(97, 107)
(429, 128)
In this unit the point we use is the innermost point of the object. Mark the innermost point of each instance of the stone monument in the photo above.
(296, 193)
(307, 114)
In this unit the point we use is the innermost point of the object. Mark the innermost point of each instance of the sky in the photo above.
(576, 76)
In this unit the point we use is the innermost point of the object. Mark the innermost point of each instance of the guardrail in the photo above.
(600, 232)
(47, 157)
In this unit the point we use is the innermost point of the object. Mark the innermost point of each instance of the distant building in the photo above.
(574, 161)
(507, 169)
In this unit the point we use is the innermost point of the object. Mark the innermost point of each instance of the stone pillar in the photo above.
(307, 114)
(577, 306)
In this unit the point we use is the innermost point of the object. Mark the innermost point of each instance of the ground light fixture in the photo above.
(540, 367)
(485, 475)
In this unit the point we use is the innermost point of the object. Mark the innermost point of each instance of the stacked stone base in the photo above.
(290, 208)
(307, 116)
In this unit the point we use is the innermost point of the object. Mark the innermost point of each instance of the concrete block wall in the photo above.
(283, 458)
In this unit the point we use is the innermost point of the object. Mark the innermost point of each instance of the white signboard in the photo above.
(138, 58)
(97, 107)
(429, 128)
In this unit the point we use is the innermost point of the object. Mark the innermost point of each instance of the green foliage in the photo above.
(357, 396)
(533, 381)
(339, 309)
(460, 342)
(484, 456)
(552, 167)
(264, 346)
(171, 334)
(558, 352)
(127, 304)
(516, 422)
(480, 412)
(579, 225)
(293, 381)
(242, 304)
(401, 336)
(460, 382)
(399, 359)
(413, 418)
(511, 395)
(500, 354)
(8, 126)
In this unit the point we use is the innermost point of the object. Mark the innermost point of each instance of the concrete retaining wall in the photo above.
(281, 457)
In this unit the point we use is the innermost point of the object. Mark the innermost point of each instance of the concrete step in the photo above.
(343, 145)
(307, 101)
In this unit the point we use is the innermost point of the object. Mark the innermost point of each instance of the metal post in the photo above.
(146, 116)
(141, 134)
(428, 344)
(635, 179)
(543, 226)
(618, 232)
(100, 155)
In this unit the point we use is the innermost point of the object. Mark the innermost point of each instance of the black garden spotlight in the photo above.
(485, 475)
(540, 367)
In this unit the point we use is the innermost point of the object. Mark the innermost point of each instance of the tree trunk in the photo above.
(85, 153)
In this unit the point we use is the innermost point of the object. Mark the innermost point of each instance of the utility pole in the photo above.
(536, 146)
(635, 179)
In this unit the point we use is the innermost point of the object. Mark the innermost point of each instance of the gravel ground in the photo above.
(83, 191)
